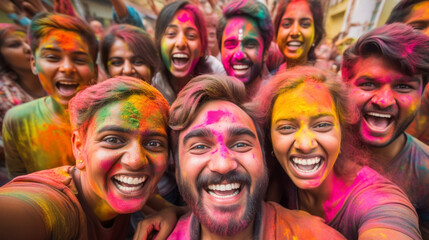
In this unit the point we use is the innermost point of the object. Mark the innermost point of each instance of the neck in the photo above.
(179, 83)
(383, 155)
(253, 87)
(100, 208)
(31, 84)
(59, 110)
(325, 200)
(290, 63)
(246, 234)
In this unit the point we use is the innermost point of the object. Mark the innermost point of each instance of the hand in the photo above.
(157, 226)
(30, 7)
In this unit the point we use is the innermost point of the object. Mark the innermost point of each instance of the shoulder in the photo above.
(288, 224)
(182, 231)
(215, 65)
(24, 110)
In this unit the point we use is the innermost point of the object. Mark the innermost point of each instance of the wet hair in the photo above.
(43, 23)
(398, 43)
(316, 11)
(251, 9)
(294, 78)
(402, 10)
(201, 90)
(164, 19)
(5, 30)
(139, 41)
(87, 102)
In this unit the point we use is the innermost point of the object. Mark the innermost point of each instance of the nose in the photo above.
(26, 48)
(135, 157)
(222, 161)
(294, 31)
(67, 66)
(239, 54)
(383, 98)
(127, 68)
(181, 42)
(305, 141)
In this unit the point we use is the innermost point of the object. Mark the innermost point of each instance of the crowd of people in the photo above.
(225, 125)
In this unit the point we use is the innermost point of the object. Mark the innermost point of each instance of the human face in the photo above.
(16, 52)
(306, 135)
(222, 174)
(242, 49)
(63, 64)
(386, 100)
(419, 17)
(296, 32)
(124, 154)
(123, 62)
(181, 45)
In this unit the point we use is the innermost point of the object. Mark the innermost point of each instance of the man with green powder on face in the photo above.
(37, 134)
(244, 35)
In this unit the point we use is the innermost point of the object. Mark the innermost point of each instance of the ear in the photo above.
(33, 65)
(77, 145)
(265, 57)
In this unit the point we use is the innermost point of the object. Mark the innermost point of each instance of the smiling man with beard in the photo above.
(387, 70)
(221, 170)
(37, 134)
(244, 35)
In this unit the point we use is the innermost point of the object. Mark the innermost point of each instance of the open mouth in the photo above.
(129, 184)
(67, 88)
(307, 166)
(294, 45)
(228, 190)
(378, 121)
(180, 59)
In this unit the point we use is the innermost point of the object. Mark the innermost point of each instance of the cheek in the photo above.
(159, 162)
(410, 103)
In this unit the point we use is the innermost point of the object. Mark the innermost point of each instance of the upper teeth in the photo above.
(240, 67)
(67, 83)
(380, 115)
(294, 43)
(224, 187)
(180, 55)
(130, 180)
(309, 161)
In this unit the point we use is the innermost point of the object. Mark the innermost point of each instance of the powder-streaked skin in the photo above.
(221, 146)
(307, 128)
(379, 88)
(296, 33)
(16, 52)
(181, 37)
(63, 64)
(122, 61)
(242, 49)
(419, 17)
(127, 138)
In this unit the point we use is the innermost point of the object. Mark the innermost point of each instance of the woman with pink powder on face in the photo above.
(322, 172)
(120, 144)
(181, 40)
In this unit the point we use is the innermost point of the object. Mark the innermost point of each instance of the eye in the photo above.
(192, 36)
(306, 24)
(170, 33)
(418, 26)
(113, 141)
(81, 61)
(367, 86)
(323, 126)
(404, 88)
(230, 44)
(286, 24)
(241, 147)
(52, 58)
(116, 62)
(199, 148)
(286, 129)
(138, 62)
(14, 44)
(154, 145)
(251, 44)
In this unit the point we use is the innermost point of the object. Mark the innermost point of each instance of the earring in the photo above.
(79, 161)
(313, 44)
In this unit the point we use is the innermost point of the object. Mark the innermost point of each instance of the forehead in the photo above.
(377, 67)
(248, 25)
(66, 40)
(310, 98)
(298, 8)
(420, 11)
(220, 115)
(183, 17)
(137, 111)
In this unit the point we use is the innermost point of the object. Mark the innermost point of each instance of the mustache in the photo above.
(217, 178)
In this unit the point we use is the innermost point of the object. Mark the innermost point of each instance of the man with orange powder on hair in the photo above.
(37, 134)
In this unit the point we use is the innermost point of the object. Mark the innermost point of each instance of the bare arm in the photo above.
(120, 8)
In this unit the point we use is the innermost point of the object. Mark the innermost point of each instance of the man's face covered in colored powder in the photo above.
(222, 174)
(125, 153)
(242, 49)
(63, 64)
(181, 45)
(419, 17)
(385, 99)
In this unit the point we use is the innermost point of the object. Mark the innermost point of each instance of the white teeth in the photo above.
(224, 187)
(240, 67)
(309, 161)
(180, 55)
(67, 83)
(225, 196)
(130, 180)
(294, 44)
(379, 115)
(128, 189)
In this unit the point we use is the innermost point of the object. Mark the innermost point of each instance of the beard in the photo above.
(232, 226)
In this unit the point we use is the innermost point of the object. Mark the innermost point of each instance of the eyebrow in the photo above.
(148, 133)
(239, 131)
(326, 114)
(200, 132)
